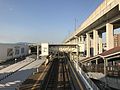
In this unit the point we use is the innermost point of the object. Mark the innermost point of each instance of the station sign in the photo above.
(44, 49)
(81, 47)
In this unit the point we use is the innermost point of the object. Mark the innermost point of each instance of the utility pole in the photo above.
(77, 53)
(38, 52)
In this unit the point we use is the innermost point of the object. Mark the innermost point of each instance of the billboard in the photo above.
(44, 49)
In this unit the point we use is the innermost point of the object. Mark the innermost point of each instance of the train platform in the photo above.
(59, 74)
(53, 76)
(33, 81)
(17, 73)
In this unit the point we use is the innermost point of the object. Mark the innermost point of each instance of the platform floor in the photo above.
(13, 80)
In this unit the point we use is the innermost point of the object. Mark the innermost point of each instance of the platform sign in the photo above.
(44, 49)
(82, 47)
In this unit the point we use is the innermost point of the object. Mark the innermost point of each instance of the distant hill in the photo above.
(23, 43)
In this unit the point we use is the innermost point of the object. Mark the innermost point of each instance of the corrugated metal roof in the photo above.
(111, 51)
(108, 53)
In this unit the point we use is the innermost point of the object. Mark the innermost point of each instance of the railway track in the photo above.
(59, 74)
(57, 77)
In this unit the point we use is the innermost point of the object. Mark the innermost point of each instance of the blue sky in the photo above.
(42, 20)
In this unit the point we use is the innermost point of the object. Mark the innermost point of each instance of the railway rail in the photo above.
(59, 74)
(57, 78)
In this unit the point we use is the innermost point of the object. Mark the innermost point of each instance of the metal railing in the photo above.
(89, 84)
(111, 70)
(87, 81)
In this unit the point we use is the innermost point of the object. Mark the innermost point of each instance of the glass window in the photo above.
(22, 50)
(9, 52)
(17, 51)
